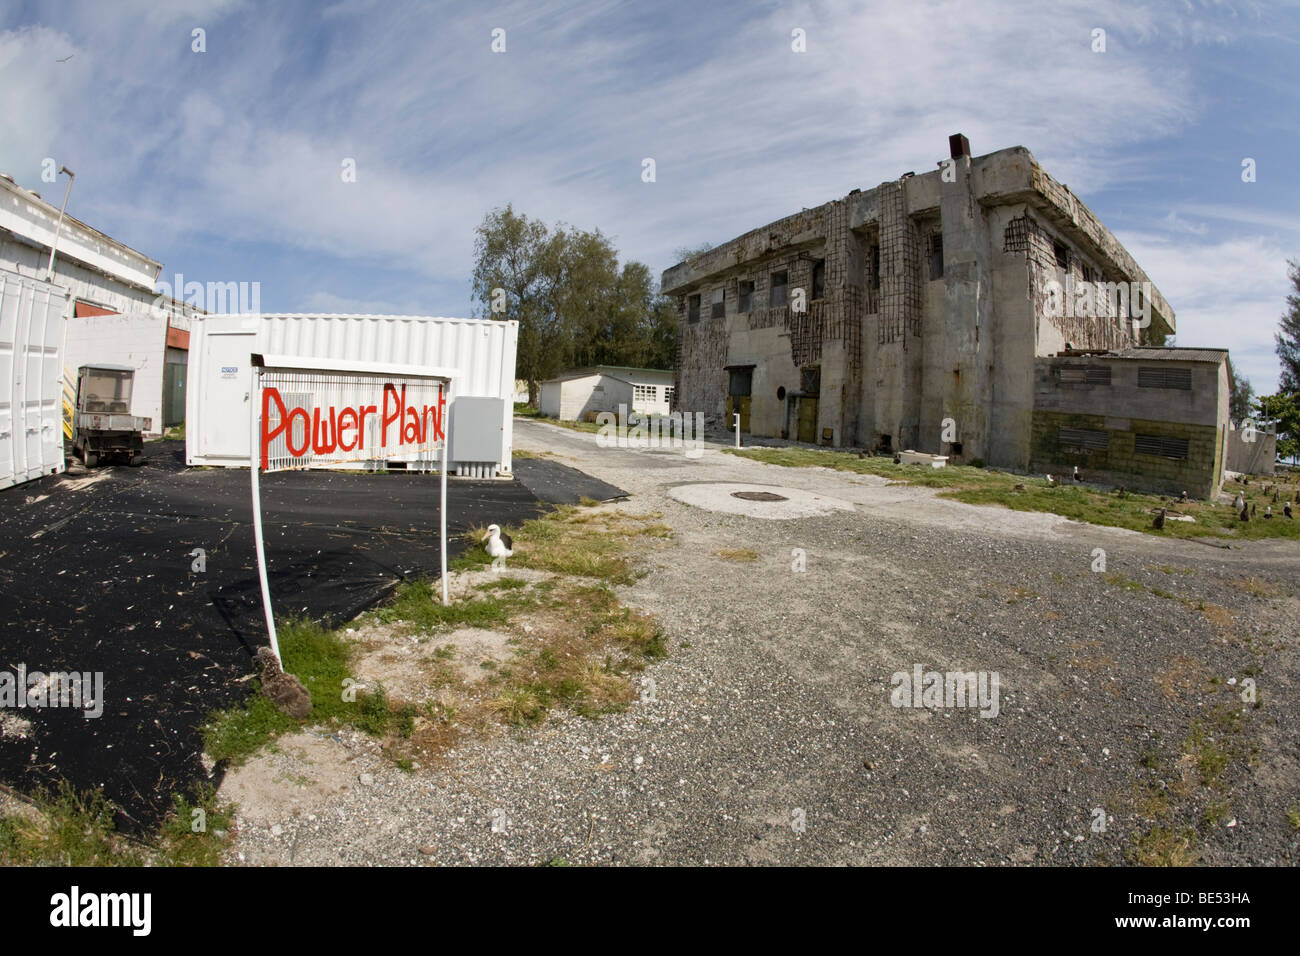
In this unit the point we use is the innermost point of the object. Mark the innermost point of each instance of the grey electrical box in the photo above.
(476, 426)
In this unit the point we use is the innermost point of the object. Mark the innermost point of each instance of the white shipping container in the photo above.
(482, 351)
(31, 378)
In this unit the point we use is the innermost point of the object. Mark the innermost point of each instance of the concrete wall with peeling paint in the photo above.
(900, 353)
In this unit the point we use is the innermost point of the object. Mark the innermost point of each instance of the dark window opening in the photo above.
(1084, 374)
(1180, 378)
(777, 292)
(1082, 439)
(1062, 255)
(719, 304)
(936, 255)
(875, 267)
(780, 394)
(742, 382)
(819, 279)
(954, 448)
(693, 309)
(810, 380)
(1161, 446)
(746, 296)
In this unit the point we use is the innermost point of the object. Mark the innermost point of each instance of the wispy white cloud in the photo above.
(1228, 294)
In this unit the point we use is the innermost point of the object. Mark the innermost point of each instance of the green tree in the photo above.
(1284, 409)
(661, 333)
(690, 252)
(587, 300)
(1287, 338)
(574, 304)
(1240, 395)
(518, 264)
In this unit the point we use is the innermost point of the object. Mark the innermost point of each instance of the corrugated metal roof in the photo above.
(1171, 354)
(601, 369)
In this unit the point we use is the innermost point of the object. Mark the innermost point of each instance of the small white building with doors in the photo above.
(582, 393)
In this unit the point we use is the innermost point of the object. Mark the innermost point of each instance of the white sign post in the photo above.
(327, 413)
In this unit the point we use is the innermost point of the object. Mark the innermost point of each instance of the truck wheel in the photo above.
(91, 459)
(136, 459)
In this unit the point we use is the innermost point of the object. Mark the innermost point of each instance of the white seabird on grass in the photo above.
(498, 544)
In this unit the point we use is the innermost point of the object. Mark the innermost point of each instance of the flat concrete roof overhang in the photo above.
(1006, 177)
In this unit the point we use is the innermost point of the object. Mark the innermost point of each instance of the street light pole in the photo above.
(49, 269)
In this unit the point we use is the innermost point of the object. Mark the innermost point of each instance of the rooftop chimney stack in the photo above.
(958, 146)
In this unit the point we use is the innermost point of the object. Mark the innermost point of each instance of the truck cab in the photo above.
(102, 422)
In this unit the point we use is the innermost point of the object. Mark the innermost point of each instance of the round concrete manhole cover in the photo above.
(758, 501)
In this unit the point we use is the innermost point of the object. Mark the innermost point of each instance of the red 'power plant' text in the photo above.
(328, 430)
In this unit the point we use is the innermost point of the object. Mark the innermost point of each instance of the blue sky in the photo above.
(225, 165)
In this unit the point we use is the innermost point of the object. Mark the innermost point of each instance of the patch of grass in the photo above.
(520, 705)
(1211, 743)
(574, 645)
(978, 486)
(321, 660)
(638, 632)
(197, 834)
(1293, 817)
(1256, 587)
(233, 734)
(953, 476)
(741, 555)
(559, 662)
(1196, 775)
(71, 828)
(1019, 593)
(1120, 581)
(582, 544)
(1165, 846)
(1216, 813)
(417, 603)
(503, 584)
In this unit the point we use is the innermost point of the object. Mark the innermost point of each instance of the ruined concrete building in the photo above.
(913, 316)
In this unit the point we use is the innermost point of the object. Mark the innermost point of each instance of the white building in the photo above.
(581, 393)
(110, 315)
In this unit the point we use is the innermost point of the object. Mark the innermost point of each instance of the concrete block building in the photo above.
(912, 315)
(915, 315)
(1151, 418)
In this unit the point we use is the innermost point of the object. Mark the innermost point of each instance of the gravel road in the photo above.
(769, 736)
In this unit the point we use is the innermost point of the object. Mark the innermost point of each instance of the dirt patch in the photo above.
(1222, 620)
(294, 778)
(1183, 675)
(473, 647)
(415, 667)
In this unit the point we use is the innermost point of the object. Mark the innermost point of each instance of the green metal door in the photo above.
(807, 430)
(173, 394)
